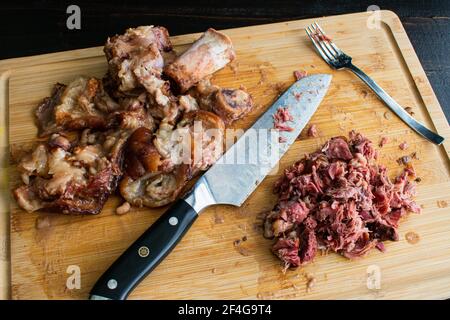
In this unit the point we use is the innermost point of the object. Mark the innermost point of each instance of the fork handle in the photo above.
(396, 108)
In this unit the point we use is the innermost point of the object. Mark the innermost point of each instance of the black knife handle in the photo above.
(145, 253)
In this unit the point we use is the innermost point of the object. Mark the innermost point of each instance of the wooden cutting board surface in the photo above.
(206, 264)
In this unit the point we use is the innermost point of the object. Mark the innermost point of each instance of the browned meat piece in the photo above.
(149, 180)
(84, 104)
(188, 103)
(197, 140)
(232, 104)
(135, 62)
(207, 138)
(383, 141)
(229, 104)
(141, 154)
(155, 189)
(81, 104)
(134, 113)
(210, 53)
(45, 111)
(300, 74)
(72, 177)
(139, 49)
(159, 166)
(337, 198)
(312, 131)
(403, 146)
(163, 104)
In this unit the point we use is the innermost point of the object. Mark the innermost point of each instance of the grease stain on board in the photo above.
(412, 237)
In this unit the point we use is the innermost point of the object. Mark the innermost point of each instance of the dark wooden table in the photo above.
(34, 27)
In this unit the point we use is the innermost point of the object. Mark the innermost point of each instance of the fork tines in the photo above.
(323, 43)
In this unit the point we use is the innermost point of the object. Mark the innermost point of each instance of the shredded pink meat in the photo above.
(312, 131)
(337, 198)
(321, 37)
(403, 145)
(280, 118)
(383, 141)
(300, 74)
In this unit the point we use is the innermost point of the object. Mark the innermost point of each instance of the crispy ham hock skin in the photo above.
(72, 177)
(197, 140)
(138, 50)
(134, 99)
(134, 114)
(136, 60)
(150, 180)
(210, 53)
(85, 104)
(229, 104)
(337, 198)
(81, 104)
(156, 170)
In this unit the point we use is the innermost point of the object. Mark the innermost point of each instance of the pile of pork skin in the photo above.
(117, 132)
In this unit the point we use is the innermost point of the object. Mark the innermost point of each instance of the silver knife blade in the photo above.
(231, 180)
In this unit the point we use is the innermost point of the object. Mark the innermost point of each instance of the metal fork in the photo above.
(337, 59)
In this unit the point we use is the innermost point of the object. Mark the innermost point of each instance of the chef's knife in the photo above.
(223, 183)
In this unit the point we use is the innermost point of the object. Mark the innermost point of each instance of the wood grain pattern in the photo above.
(206, 264)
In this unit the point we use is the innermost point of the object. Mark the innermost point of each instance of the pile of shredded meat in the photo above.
(337, 198)
(131, 126)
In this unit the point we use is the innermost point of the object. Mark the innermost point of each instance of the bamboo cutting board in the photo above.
(206, 265)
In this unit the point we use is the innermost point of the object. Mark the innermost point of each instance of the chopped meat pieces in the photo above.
(403, 145)
(337, 198)
(45, 111)
(383, 141)
(404, 160)
(321, 37)
(312, 131)
(133, 114)
(280, 118)
(300, 74)
(337, 148)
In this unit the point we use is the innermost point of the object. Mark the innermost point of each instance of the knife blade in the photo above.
(302, 100)
(228, 181)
